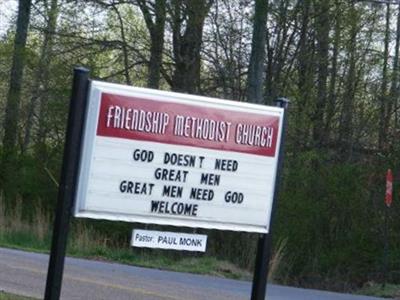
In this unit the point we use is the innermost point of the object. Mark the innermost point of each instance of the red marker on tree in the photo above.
(389, 188)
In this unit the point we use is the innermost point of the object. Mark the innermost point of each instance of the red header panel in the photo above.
(187, 125)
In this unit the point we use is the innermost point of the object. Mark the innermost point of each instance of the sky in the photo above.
(7, 10)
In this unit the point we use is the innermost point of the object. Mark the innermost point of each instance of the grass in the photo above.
(127, 255)
(7, 296)
(391, 291)
(86, 242)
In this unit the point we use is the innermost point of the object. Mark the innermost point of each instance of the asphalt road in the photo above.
(24, 273)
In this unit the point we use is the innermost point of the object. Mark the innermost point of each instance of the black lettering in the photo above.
(194, 210)
(165, 174)
(172, 191)
(201, 158)
(209, 179)
(129, 188)
(226, 165)
(171, 174)
(201, 194)
(167, 210)
(143, 155)
(140, 188)
(176, 208)
(180, 208)
(179, 159)
(190, 242)
(155, 206)
(122, 186)
(162, 207)
(234, 197)
(193, 193)
(137, 188)
(151, 185)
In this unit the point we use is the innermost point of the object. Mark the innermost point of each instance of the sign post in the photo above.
(265, 240)
(67, 187)
(388, 203)
(389, 188)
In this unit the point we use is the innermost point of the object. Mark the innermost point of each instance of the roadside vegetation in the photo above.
(391, 291)
(7, 296)
(338, 61)
(90, 241)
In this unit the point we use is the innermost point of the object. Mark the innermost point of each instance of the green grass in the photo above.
(93, 242)
(158, 260)
(91, 247)
(6, 296)
(379, 290)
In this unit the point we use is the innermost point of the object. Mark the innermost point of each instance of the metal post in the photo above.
(67, 188)
(385, 248)
(264, 242)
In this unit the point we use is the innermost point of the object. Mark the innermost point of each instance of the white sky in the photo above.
(7, 10)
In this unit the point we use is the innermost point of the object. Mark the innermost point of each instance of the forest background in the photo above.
(336, 60)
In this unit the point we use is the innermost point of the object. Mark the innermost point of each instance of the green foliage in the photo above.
(379, 290)
(105, 241)
(330, 214)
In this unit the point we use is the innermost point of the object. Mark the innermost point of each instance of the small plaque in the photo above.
(169, 240)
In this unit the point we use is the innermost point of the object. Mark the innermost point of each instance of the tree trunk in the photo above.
(395, 84)
(14, 92)
(305, 76)
(394, 87)
(330, 110)
(346, 126)
(383, 93)
(256, 66)
(187, 43)
(128, 80)
(41, 84)
(157, 45)
(322, 30)
(9, 169)
(278, 57)
(156, 29)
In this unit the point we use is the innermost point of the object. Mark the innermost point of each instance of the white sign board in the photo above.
(176, 159)
(169, 240)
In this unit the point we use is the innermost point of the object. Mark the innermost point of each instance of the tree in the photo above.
(333, 76)
(346, 124)
(322, 36)
(394, 93)
(225, 50)
(42, 78)
(384, 83)
(14, 97)
(154, 15)
(255, 80)
(124, 47)
(305, 73)
(187, 21)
